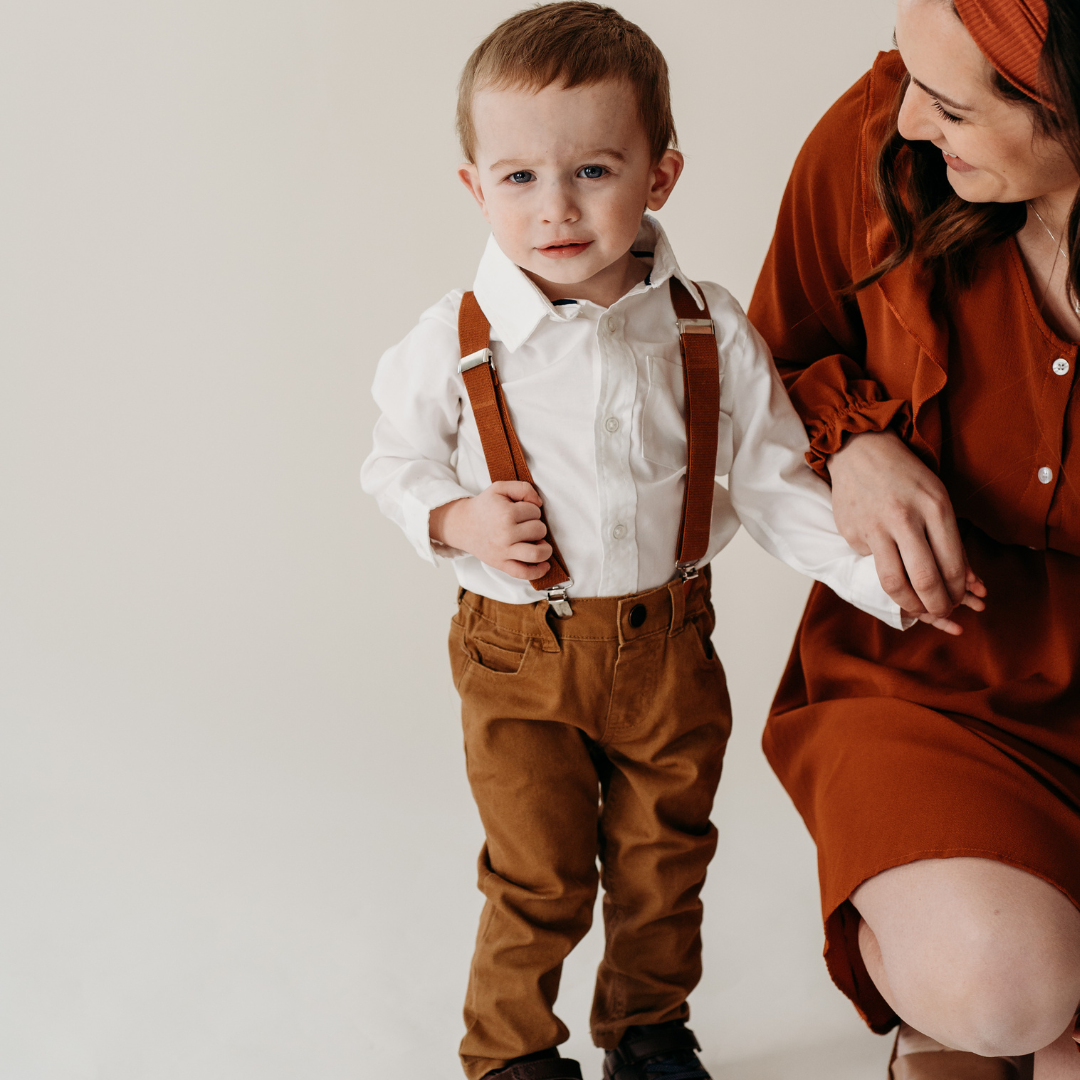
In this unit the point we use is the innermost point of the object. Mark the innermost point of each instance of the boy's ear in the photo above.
(665, 175)
(469, 175)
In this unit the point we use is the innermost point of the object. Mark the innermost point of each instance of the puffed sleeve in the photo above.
(816, 333)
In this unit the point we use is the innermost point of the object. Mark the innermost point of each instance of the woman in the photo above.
(921, 299)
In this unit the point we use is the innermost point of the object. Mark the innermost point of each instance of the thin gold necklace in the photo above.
(1076, 303)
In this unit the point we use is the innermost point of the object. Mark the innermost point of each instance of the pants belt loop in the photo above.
(548, 641)
(677, 592)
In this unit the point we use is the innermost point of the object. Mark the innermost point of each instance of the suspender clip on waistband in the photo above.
(687, 570)
(696, 326)
(481, 356)
(559, 600)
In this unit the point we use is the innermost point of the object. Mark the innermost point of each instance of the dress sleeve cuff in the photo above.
(834, 405)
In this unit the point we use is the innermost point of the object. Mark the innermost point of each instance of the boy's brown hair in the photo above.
(574, 43)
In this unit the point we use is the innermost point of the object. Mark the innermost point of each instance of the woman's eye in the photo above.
(521, 177)
(592, 172)
(945, 115)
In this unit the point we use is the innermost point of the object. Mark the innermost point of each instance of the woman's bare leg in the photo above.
(976, 954)
(1060, 1060)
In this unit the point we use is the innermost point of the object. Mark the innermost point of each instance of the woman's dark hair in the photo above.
(931, 222)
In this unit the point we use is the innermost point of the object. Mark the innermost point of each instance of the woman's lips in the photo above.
(565, 250)
(959, 164)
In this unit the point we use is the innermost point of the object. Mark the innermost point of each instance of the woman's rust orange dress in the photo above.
(903, 746)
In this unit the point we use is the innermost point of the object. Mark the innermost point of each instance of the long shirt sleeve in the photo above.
(596, 398)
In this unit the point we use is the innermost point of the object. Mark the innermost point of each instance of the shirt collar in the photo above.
(515, 306)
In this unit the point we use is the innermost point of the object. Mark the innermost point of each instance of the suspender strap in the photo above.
(701, 380)
(505, 460)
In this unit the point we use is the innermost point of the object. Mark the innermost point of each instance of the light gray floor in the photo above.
(861, 1058)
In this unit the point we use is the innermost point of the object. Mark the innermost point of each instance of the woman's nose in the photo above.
(917, 122)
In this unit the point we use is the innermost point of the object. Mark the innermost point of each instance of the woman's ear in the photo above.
(665, 175)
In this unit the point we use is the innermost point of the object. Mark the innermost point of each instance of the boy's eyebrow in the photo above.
(941, 97)
(515, 163)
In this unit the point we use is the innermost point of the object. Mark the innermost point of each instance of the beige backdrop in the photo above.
(235, 835)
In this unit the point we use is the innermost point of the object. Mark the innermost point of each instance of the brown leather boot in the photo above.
(538, 1067)
(926, 1059)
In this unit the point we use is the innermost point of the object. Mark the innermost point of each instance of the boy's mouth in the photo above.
(565, 249)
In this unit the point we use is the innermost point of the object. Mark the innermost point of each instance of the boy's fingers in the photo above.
(947, 625)
(525, 511)
(976, 603)
(525, 571)
(518, 491)
(529, 552)
(975, 584)
(528, 532)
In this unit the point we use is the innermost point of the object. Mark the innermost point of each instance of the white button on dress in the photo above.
(612, 424)
(619, 532)
(1061, 367)
(1045, 475)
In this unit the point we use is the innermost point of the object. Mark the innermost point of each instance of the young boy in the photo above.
(556, 433)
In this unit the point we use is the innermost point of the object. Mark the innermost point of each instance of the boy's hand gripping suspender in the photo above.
(505, 460)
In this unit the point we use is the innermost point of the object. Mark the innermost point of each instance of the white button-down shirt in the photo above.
(596, 397)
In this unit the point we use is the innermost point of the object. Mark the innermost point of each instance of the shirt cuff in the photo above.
(868, 595)
(416, 507)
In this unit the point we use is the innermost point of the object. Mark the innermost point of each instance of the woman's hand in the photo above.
(888, 504)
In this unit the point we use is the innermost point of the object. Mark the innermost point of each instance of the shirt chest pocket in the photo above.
(663, 426)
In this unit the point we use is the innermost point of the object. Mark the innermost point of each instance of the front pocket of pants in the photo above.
(703, 635)
(495, 658)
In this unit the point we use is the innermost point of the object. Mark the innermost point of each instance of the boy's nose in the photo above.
(559, 206)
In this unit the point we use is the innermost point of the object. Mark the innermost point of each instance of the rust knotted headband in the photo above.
(1011, 34)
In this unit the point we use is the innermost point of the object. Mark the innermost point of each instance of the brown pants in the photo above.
(595, 737)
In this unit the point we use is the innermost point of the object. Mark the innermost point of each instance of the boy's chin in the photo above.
(563, 272)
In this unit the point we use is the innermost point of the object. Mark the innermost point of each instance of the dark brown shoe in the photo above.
(556, 1068)
(655, 1052)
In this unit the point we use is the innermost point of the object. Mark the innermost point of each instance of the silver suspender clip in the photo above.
(696, 326)
(687, 570)
(481, 356)
(559, 599)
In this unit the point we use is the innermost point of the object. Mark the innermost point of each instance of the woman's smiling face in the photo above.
(991, 146)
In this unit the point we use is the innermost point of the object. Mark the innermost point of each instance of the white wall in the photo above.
(235, 836)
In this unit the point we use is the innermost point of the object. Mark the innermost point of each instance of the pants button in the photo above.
(637, 615)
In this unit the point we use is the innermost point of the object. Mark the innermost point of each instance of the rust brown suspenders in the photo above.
(505, 460)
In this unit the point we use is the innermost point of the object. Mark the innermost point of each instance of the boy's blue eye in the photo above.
(521, 177)
(592, 172)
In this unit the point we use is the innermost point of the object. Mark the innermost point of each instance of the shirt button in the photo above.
(611, 324)
(618, 532)
(612, 424)
(1061, 367)
(1045, 475)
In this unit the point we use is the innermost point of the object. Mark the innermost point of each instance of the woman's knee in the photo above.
(983, 958)
(994, 1012)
